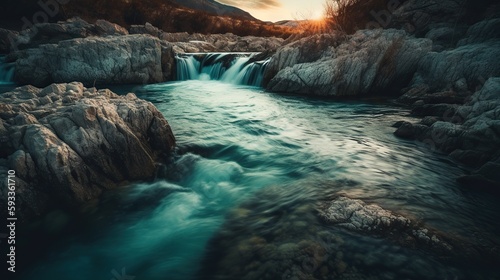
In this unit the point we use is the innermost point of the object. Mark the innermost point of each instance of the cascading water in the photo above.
(6, 72)
(236, 68)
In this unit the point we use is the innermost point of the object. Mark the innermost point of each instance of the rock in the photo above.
(408, 130)
(472, 63)
(106, 28)
(368, 62)
(485, 178)
(132, 59)
(481, 32)
(436, 110)
(66, 152)
(423, 15)
(6, 39)
(445, 36)
(53, 33)
(306, 232)
(469, 157)
(308, 49)
(421, 93)
(147, 28)
(470, 133)
(192, 43)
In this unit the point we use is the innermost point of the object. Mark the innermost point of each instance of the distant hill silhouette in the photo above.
(216, 8)
(192, 16)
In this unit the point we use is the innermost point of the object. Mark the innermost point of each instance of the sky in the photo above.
(275, 10)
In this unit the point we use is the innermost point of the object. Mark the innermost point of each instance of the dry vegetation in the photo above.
(351, 15)
(161, 13)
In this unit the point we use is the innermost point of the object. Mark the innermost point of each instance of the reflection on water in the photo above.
(236, 140)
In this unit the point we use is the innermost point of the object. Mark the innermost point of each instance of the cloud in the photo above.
(253, 4)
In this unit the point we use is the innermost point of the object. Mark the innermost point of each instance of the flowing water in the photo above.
(235, 142)
(6, 72)
(235, 68)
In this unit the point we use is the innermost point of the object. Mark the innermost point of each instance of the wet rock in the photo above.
(429, 120)
(436, 110)
(469, 133)
(68, 151)
(410, 131)
(448, 97)
(344, 239)
(486, 178)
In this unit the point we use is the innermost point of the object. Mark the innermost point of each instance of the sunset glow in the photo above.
(281, 9)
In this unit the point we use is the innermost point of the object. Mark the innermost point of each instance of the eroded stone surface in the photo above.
(68, 143)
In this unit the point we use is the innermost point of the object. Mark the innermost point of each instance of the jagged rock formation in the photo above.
(470, 133)
(368, 62)
(456, 91)
(52, 33)
(192, 43)
(105, 53)
(464, 67)
(130, 59)
(68, 143)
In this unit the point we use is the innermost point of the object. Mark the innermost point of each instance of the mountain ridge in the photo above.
(217, 8)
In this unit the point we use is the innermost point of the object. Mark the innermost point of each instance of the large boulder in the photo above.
(131, 59)
(482, 31)
(67, 144)
(470, 65)
(368, 62)
(309, 49)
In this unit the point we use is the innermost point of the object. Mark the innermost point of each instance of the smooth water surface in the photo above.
(235, 140)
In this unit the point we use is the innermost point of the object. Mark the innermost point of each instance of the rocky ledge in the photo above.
(468, 131)
(68, 143)
(106, 53)
(369, 62)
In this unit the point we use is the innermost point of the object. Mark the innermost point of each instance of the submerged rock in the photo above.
(68, 143)
(309, 232)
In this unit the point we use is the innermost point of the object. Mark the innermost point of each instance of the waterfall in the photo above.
(236, 68)
(6, 72)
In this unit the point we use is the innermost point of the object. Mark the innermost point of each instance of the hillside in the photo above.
(215, 8)
(193, 16)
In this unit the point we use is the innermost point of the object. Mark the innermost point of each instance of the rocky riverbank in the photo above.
(105, 53)
(67, 144)
(447, 74)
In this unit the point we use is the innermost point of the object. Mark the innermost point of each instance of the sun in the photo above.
(318, 15)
